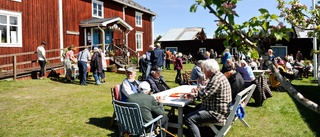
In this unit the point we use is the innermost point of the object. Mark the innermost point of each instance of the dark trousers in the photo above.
(197, 117)
(82, 72)
(167, 63)
(178, 76)
(42, 64)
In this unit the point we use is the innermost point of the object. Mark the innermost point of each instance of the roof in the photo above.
(104, 22)
(180, 34)
(135, 5)
(302, 32)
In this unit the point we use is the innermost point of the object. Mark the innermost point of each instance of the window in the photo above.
(139, 41)
(10, 29)
(97, 9)
(138, 19)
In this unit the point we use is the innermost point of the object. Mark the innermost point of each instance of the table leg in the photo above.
(180, 121)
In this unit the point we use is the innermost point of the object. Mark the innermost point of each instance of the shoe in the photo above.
(40, 78)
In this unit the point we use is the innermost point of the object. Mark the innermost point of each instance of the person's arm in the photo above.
(157, 108)
(126, 88)
(199, 73)
(210, 89)
(43, 53)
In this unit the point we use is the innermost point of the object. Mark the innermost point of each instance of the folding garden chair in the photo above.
(242, 100)
(130, 122)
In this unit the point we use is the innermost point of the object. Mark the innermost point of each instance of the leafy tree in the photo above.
(225, 11)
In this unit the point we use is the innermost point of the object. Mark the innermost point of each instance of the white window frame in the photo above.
(17, 0)
(139, 41)
(102, 8)
(19, 25)
(138, 19)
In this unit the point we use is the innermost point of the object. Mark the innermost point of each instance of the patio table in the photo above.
(176, 102)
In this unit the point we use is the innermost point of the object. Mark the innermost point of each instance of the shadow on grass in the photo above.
(310, 117)
(104, 123)
(76, 82)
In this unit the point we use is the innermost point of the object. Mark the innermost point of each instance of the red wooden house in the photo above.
(24, 24)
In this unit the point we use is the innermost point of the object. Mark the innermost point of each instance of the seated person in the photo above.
(129, 85)
(235, 79)
(287, 65)
(216, 99)
(244, 64)
(149, 106)
(308, 69)
(156, 81)
(196, 74)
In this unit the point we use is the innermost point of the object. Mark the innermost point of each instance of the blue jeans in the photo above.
(82, 72)
(96, 76)
(197, 117)
(148, 70)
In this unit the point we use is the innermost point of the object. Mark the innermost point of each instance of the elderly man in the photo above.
(216, 99)
(129, 85)
(156, 81)
(150, 107)
(196, 73)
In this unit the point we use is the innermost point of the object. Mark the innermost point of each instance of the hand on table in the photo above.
(159, 98)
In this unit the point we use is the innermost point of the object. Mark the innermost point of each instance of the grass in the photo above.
(32, 108)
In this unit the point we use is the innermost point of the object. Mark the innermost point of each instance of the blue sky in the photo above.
(176, 14)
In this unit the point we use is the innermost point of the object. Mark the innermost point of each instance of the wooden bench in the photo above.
(242, 99)
(29, 71)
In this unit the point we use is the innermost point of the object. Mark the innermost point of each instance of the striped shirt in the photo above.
(217, 96)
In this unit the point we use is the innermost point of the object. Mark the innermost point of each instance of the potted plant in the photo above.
(112, 68)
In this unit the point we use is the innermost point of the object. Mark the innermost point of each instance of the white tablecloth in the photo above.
(176, 102)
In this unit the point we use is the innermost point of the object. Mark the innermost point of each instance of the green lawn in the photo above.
(32, 108)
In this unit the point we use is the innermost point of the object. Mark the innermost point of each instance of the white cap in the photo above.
(144, 87)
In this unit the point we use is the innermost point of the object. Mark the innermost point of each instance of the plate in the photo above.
(176, 95)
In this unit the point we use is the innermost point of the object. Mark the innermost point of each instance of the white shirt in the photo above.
(41, 53)
(288, 67)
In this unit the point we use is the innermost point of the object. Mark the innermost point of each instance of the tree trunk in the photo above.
(291, 90)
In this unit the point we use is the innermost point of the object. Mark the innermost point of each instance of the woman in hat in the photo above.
(178, 66)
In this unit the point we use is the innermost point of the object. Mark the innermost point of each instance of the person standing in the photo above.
(216, 99)
(212, 54)
(226, 56)
(67, 61)
(157, 56)
(270, 55)
(168, 59)
(42, 58)
(104, 66)
(148, 60)
(299, 56)
(96, 65)
(178, 66)
(83, 58)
